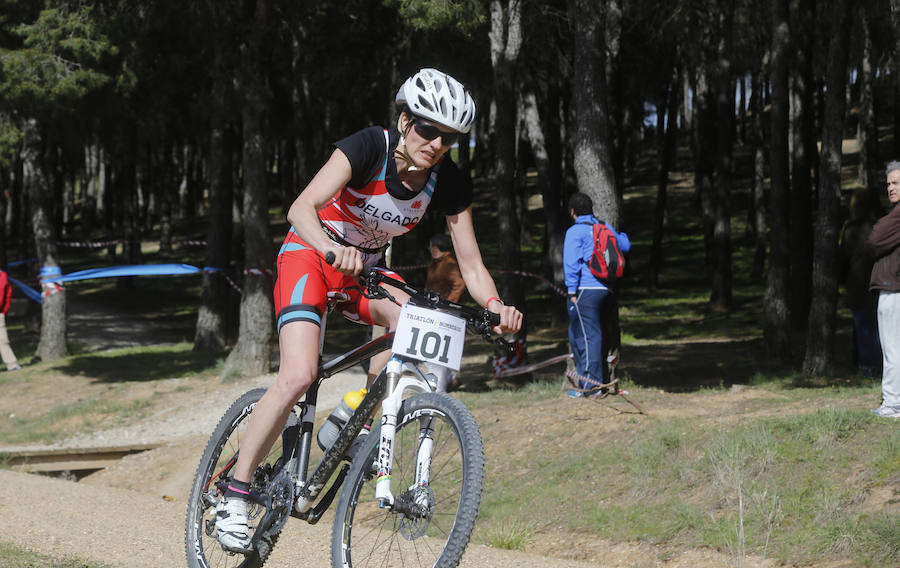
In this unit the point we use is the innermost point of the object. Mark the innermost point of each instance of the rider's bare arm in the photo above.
(303, 214)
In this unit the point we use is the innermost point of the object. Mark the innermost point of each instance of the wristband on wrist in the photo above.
(491, 299)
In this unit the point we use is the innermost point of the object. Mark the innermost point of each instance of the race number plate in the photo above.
(430, 336)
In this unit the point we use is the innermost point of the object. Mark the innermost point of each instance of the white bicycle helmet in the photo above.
(436, 96)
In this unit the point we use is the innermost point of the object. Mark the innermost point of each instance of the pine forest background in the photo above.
(157, 120)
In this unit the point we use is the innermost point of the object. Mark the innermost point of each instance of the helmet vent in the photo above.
(426, 103)
(438, 97)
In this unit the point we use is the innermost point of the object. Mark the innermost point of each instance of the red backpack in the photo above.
(607, 261)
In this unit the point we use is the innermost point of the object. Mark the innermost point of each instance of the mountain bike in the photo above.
(411, 493)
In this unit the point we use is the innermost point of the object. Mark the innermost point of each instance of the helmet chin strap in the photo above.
(400, 152)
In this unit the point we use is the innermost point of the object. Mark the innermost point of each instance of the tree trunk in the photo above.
(127, 183)
(803, 165)
(93, 160)
(20, 209)
(666, 139)
(618, 112)
(554, 231)
(591, 143)
(867, 129)
(167, 184)
(256, 335)
(757, 222)
(704, 157)
(895, 72)
(776, 324)
(553, 138)
(820, 337)
(520, 177)
(687, 109)
(52, 344)
(720, 297)
(211, 332)
(506, 42)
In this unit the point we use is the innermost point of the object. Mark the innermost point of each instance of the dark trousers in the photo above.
(868, 348)
(586, 317)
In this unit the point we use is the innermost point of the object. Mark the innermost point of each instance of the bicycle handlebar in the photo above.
(480, 321)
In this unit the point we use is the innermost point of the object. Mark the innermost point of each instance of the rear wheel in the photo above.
(219, 457)
(428, 525)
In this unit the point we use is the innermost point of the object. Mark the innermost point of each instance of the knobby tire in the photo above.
(364, 535)
(201, 546)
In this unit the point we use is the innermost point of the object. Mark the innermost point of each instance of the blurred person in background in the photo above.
(884, 243)
(6, 352)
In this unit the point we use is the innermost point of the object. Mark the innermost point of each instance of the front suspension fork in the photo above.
(390, 408)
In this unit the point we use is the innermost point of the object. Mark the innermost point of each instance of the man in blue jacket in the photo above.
(588, 300)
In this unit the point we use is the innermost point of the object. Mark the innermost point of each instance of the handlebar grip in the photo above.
(495, 318)
(330, 257)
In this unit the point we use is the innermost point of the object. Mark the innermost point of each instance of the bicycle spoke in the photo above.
(202, 547)
(429, 525)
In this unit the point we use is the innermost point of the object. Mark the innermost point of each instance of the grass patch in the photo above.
(140, 363)
(512, 534)
(780, 485)
(47, 402)
(15, 557)
(63, 420)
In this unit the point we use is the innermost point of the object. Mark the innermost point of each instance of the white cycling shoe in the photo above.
(231, 525)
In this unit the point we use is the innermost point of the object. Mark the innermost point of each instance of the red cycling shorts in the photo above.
(303, 280)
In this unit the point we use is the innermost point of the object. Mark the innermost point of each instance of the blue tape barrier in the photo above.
(21, 262)
(49, 272)
(109, 272)
(30, 292)
(128, 270)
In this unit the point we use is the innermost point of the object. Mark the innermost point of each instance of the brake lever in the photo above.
(373, 281)
(485, 331)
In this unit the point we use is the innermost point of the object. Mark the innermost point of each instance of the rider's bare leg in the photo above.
(299, 359)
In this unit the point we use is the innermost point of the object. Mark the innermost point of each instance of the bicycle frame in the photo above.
(389, 382)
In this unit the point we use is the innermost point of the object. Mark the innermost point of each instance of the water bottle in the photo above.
(329, 431)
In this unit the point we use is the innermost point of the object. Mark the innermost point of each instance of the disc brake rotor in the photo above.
(419, 507)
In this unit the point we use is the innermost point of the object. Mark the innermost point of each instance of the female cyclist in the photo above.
(376, 185)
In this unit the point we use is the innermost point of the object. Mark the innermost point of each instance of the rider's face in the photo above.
(425, 152)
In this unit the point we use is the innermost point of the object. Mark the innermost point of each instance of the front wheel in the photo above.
(437, 519)
(219, 457)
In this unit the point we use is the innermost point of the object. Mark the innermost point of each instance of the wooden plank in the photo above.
(70, 459)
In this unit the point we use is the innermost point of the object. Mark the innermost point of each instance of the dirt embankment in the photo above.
(132, 514)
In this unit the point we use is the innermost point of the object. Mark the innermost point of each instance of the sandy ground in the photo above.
(120, 527)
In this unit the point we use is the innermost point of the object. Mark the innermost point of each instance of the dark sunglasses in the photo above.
(429, 132)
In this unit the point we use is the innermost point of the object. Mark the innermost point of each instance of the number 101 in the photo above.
(431, 344)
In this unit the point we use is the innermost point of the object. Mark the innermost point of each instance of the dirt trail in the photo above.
(119, 527)
(126, 528)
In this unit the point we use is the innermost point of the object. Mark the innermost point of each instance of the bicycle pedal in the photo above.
(233, 551)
